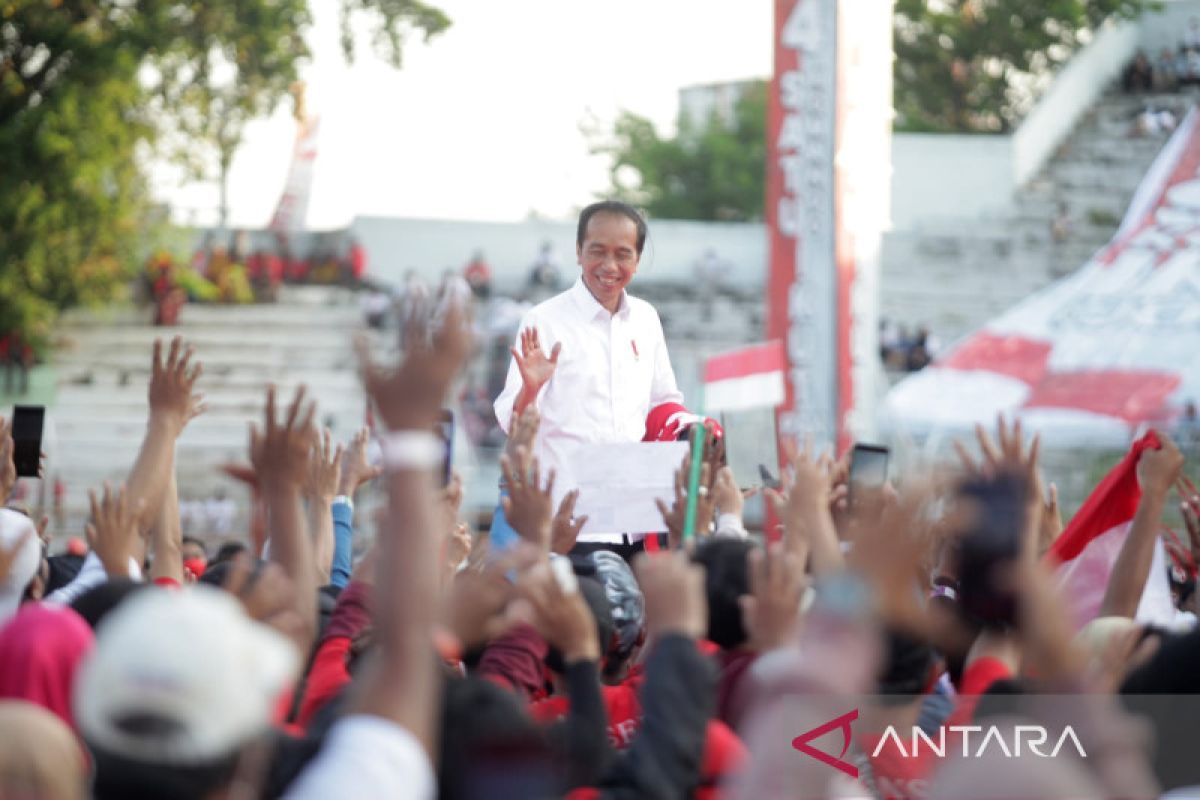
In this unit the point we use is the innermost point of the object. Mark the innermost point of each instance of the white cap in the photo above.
(14, 525)
(181, 677)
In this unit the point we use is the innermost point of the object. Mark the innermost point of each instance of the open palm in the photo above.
(535, 366)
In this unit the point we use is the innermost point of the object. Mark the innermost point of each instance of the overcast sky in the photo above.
(484, 121)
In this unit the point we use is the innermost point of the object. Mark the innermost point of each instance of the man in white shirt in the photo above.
(592, 359)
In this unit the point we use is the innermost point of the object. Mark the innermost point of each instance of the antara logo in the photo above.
(801, 743)
(1034, 737)
(1022, 738)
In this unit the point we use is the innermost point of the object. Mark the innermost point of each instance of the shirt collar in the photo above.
(591, 307)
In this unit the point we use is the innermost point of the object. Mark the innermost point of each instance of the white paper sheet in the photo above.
(618, 484)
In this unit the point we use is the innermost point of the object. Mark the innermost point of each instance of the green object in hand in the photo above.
(693, 487)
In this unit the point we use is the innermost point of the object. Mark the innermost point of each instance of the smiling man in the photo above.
(592, 359)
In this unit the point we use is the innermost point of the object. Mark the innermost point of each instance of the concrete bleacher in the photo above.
(955, 276)
(102, 360)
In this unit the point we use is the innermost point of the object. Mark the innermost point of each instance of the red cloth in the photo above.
(514, 661)
(326, 677)
(724, 753)
(977, 678)
(1114, 502)
(40, 649)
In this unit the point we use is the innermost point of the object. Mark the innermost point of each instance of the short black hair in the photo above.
(611, 207)
(195, 541)
(229, 551)
(122, 778)
(726, 580)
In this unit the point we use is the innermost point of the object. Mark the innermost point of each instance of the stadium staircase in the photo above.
(954, 278)
(102, 362)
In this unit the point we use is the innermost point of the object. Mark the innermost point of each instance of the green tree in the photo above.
(89, 89)
(708, 171)
(978, 65)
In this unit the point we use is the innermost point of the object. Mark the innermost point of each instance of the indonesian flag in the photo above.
(1087, 549)
(752, 377)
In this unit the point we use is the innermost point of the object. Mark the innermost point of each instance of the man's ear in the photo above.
(579, 254)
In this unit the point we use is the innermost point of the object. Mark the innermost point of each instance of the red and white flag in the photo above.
(752, 377)
(1085, 552)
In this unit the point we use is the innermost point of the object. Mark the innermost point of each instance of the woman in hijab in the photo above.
(40, 647)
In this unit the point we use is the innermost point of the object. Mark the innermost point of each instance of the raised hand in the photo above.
(562, 617)
(727, 495)
(675, 516)
(324, 469)
(673, 588)
(1008, 454)
(803, 506)
(280, 451)
(1158, 470)
(356, 469)
(439, 341)
(564, 530)
(112, 531)
(771, 612)
(535, 366)
(172, 383)
(529, 505)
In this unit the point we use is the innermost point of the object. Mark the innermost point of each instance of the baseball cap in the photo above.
(180, 678)
(14, 525)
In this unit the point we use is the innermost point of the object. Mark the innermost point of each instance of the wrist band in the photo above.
(345, 499)
(411, 450)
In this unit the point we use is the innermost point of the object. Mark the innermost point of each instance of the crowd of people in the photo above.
(244, 272)
(1173, 68)
(316, 660)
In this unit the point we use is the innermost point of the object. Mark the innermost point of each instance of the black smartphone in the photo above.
(445, 431)
(989, 543)
(27, 423)
(868, 469)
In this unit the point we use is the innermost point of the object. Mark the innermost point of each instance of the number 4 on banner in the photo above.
(802, 31)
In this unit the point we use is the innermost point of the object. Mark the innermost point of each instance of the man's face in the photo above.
(608, 256)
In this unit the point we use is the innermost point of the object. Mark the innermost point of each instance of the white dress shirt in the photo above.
(612, 370)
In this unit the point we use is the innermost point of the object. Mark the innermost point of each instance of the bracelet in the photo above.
(403, 450)
(344, 499)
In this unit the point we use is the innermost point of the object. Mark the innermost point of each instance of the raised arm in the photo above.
(531, 369)
(1157, 471)
(280, 453)
(166, 538)
(323, 472)
(173, 404)
(402, 685)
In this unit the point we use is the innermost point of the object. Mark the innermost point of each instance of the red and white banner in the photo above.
(802, 288)
(830, 105)
(748, 378)
(1084, 554)
(1094, 356)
